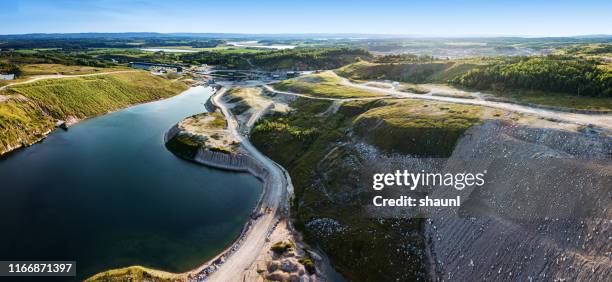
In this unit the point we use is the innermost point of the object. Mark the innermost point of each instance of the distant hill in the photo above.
(131, 35)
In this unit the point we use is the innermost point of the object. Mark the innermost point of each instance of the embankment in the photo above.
(30, 111)
(221, 160)
(228, 161)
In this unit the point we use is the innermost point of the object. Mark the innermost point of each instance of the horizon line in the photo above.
(389, 35)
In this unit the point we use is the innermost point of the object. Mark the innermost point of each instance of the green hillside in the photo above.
(413, 72)
(27, 111)
(324, 84)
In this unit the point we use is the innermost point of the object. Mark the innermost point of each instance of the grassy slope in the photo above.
(441, 71)
(325, 84)
(89, 96)
(417, 127)
(31, 109)
(21, 122)
(29, 70)
(41, 69)
(560, 100)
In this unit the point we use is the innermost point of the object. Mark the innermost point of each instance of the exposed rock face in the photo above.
(544, 213)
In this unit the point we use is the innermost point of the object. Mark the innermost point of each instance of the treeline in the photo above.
(295, 59)
(6, 68)
(551, 74)
(309, 59)
(402, 58)
(53, 57)
(228, 60)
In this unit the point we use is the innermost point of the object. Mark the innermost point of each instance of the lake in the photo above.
(107, 194)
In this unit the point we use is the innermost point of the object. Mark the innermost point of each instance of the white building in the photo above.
(7, 76)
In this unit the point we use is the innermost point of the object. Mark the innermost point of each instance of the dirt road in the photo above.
(274, 198)
(603, 121)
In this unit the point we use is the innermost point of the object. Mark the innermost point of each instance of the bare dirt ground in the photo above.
(209, 130)
(285, 266)
(249, 104)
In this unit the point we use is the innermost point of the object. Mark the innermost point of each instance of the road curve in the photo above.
(274, 198)
(603, 121)
(600, 120)
(269, 88)
(56, 76)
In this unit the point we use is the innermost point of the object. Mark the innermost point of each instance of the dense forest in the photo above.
(402, 58)
(9, 68)
(53, 57)
(296, 59)
(551, 74)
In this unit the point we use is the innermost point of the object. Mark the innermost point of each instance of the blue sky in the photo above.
(427, 18)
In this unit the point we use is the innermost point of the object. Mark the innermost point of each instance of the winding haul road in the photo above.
(599, 120)
(236, 267)
(603, 121)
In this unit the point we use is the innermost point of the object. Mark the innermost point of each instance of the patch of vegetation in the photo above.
(308, 264)
(183, 146)
(293, 59)
(412, 88)
(42, 69)
(54, 56)
(234, 99)
(411, 72)
(21, 122)
(281, 247)
(415, 127)
(589, 50)
(219, 120)
(561, 74)
(402, 58)
(7, 68)
(220, 150)
(559, 100)
(325, 84)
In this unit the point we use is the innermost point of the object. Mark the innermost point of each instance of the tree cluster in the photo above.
(562, 74)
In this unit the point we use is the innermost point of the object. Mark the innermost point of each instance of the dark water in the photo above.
(108, 194)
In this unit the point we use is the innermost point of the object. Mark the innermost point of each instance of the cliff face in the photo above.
(545, 212)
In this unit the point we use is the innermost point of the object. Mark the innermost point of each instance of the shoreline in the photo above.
(231, 162)
(272, 209)
(242, 163)
(74, 121)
